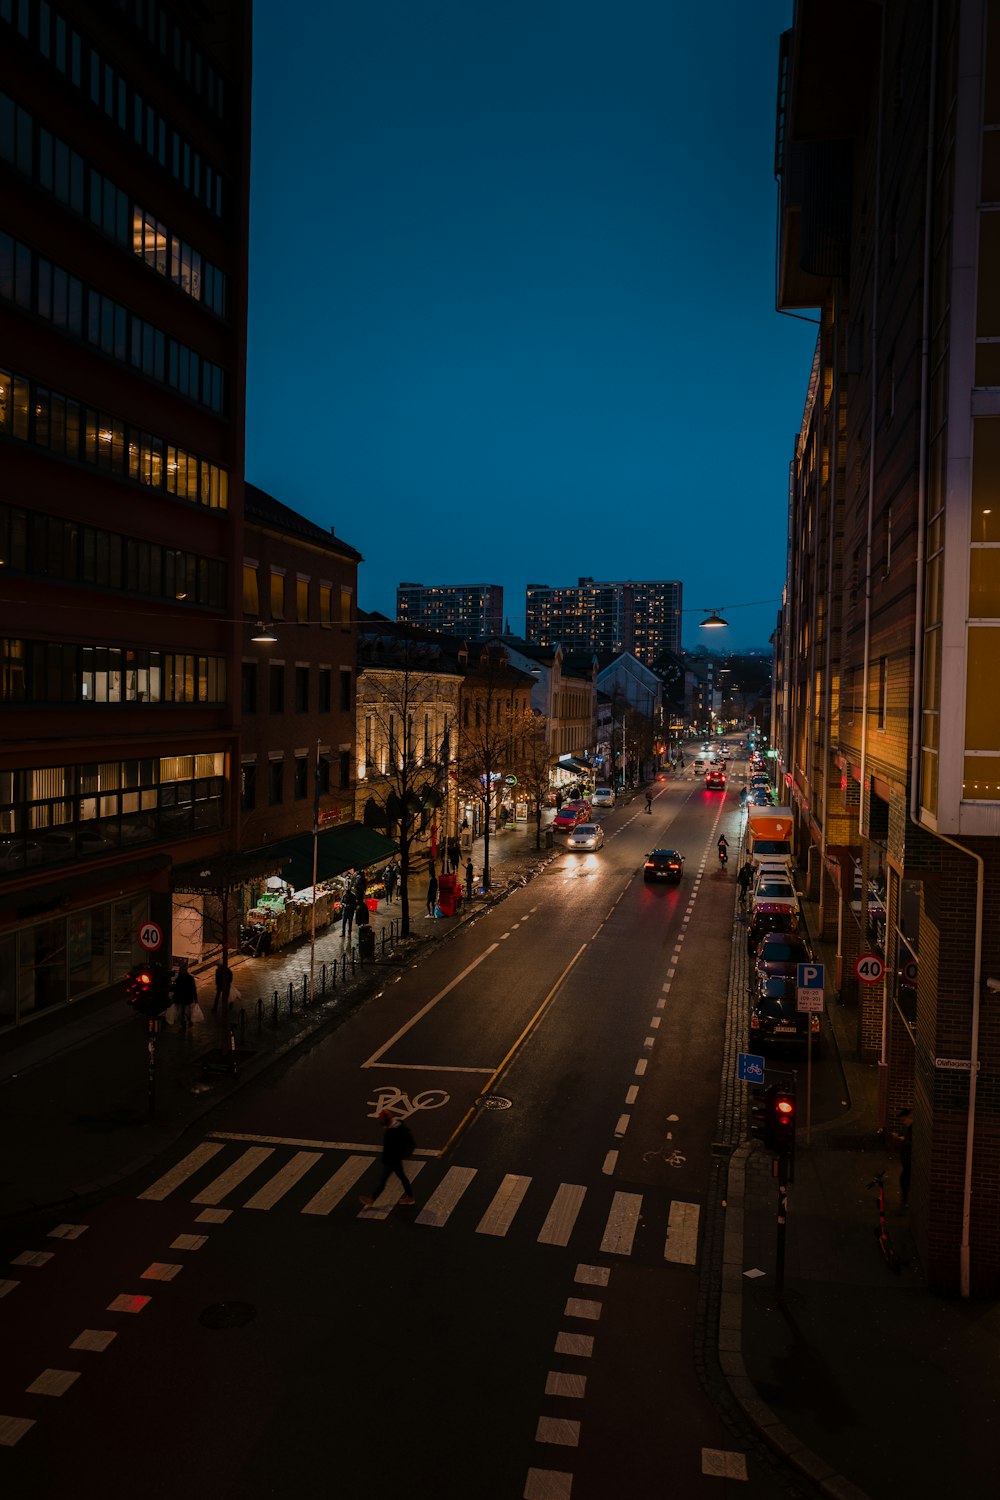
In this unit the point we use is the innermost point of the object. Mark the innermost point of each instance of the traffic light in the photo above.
(779, 1132)
(758, 1111)
(146, 990)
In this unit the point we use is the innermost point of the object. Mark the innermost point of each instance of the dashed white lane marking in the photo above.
(442, 1201)
(582, 1307)
(610, 1162)
(592, 1275)
(640, 1067)
(128, 1303)
(632, 1093)
(340, 1183)
(654, 1022)
(682, 1233)
(580, 1344)
(506, 1201)
(12, 1430)
(233, 1176)
(189, 1242)
(562, 1215)
(94, 1339)
(213, 1216)
(671, 973)
(67, 1231)
(53, 1382)
(558, 1383)
(723, 1465)
(547, 1484)
(648, 1041)
(191, 1163)
(622, 1126)
(558, 1430)
(622, 1223)
(33, 1258)
(7, 1286)
(504, 935)
(160, 1270)
(527, 915)
(283, 1181)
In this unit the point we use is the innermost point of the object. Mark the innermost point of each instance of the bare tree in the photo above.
(407, 703)
(496, 723)
(536, 772)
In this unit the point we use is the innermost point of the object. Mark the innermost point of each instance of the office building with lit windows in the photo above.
(124, 176)
(473, 610)
(640, 616)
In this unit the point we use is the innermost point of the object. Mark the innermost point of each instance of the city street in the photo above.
(237, 1324)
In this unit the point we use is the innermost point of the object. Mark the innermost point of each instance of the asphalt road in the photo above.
(526, 1329)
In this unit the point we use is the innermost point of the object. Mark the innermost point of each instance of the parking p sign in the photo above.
(809, 987)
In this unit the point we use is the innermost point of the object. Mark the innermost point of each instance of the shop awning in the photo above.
(227, 872)
(574, 767)
(353, 847)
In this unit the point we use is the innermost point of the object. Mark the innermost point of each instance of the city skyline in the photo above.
(521, 297)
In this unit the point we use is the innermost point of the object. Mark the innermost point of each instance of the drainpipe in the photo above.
(964, 1254)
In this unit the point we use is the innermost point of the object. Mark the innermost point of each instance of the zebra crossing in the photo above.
(224, 1176)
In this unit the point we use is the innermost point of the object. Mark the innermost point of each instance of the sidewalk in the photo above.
(74, 1096)
(866, 1382)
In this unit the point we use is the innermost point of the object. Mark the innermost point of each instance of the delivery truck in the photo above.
(769, 833)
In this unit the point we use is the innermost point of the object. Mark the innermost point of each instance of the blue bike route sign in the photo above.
(750, 1068)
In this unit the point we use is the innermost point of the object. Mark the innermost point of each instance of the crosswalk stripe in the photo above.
(233, 1176)
(562, 1215)
(506, 1201)
(623, 1221)
(441, 1202)
(164, 1186)
(389, 1196)
(340, 1183)
(682, 1233)
(282, 1181)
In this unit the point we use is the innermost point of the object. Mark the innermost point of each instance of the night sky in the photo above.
(512, 294)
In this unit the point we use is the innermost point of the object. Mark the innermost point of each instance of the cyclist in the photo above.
(723, 849)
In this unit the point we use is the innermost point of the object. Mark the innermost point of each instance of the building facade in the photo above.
(124, 183)
(564, 693)
(643, 617)
(473, 610)
(886, 715)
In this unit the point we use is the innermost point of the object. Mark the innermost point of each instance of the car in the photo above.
(567, 818)
(15, 853)
(715, 780)
(580, 805)
(603, 796)
(774, 891)
(586, 836)
(780, 953)
(663, 864)
(699, 766)
(762, 923)
(775, 1019)
(759, 782)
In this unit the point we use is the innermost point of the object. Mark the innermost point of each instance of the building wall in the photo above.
(642, 616)
(473, 610)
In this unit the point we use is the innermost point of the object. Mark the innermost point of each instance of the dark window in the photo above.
(248, 787)
(325, 680)
(276, 694)
(249, 679)
(276, 782)
(345, 769)
(301, 777)
(345, 690)
(301, 690)
(324, 773)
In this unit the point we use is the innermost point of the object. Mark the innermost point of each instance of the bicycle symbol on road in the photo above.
(389, 1097)
(675, 1159)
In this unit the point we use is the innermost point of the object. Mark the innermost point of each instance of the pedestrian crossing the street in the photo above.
(220, 1176)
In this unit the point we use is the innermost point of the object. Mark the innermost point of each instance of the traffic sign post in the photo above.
(809, 999)
(749, 1067)
(869, 968)
(151, 936)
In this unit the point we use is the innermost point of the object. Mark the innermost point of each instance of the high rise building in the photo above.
(641, 616)
(124, 178)
(886, 714)
(467, 609)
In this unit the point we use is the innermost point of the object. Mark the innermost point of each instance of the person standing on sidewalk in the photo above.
(389, 881)
(468, 881)
(432, 893)
(223, 984)
(397, 1145)
(348, 906)
(186, 995)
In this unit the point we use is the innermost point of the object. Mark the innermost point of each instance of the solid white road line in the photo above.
(195, 1159)
(562, 1215)
(506, 1201)
(442, 1201)
(371, 1061)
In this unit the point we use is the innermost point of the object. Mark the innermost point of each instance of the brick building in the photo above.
(885, 707)
(124, 179)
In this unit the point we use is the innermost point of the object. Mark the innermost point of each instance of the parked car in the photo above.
(762, 923)
(603, 796)
(775, 1019)
(663, 864)
(780, 953)
(580, 805)
(774, 891)
(715, 779)
(567, 818)
(586, 836)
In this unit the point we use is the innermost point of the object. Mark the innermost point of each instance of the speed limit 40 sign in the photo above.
(151, 936)
(869, 968)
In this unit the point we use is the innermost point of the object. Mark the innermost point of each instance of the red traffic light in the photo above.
(779, 1125)
(784, 1107)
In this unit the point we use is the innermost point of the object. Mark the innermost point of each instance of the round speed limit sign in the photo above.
(151, 936)
(869, 968)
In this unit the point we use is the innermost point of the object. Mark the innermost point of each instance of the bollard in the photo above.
(334, 973)
(260, 1016)
(305, 990)
(322, 979)
(291, 999)
(243, 1026)
(274, 1010)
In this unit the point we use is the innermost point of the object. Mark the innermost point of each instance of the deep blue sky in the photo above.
(512, 294)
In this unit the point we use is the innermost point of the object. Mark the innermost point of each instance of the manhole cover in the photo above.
(493, 1101)
(227, 1315)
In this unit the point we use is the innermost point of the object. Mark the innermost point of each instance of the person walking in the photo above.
(454, 852)
(397, 1145)
(389, 881)
(348, 906)
(185, 995)
(649, 800)
(223, 984)
(468, 881)
(743, 879)
(432, 893)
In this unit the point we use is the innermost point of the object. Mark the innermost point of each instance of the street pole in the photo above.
(312, 944)
(152, 1031)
